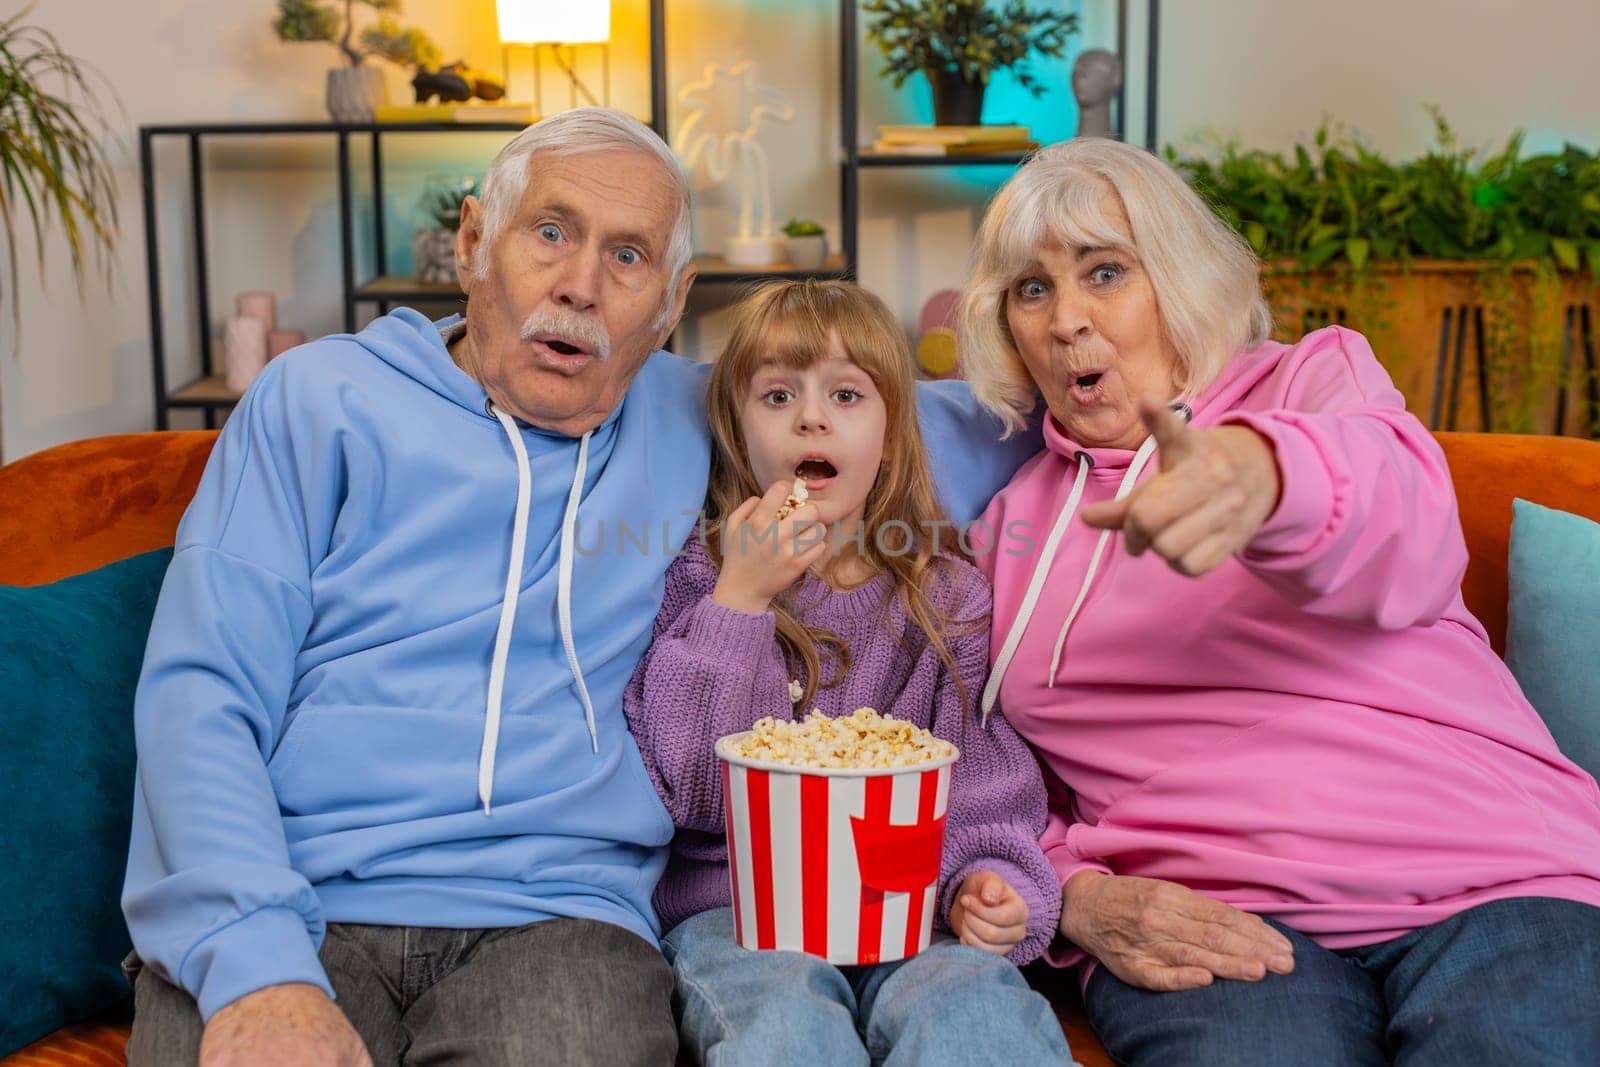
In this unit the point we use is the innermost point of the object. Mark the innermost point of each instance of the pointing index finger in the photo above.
(1171, 431)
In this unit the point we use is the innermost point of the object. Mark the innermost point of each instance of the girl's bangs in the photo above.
(782, 333)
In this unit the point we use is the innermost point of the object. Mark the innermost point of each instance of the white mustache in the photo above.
(571, 327)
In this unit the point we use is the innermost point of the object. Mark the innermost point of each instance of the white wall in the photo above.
(1266, 70)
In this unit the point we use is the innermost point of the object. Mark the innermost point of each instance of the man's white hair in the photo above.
(577, 132)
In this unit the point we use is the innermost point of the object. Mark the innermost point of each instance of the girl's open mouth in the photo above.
(816, 472)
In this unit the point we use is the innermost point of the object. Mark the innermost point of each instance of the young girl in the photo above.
(816, 383)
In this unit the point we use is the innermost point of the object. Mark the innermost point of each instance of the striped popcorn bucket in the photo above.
(843, 864)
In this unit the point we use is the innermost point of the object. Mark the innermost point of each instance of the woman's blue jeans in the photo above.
(1513, 981)
(949, 1005)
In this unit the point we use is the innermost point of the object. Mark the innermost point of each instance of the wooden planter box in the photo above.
(1471, 345)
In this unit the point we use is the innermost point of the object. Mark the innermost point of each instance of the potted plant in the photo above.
(806, 243)
(355, 91)
(51, 154)
(958, 44)
(1437, 259)
(433, 241)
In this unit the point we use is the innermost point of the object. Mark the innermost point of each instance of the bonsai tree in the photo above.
(958, 44)
(310, 20)
(53, 165)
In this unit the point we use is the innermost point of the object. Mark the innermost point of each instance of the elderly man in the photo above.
(381, 743)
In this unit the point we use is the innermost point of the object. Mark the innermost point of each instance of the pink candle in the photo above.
(279, 341)
(258, 304)
(244, 346)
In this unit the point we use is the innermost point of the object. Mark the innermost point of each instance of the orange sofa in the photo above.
(79, 506)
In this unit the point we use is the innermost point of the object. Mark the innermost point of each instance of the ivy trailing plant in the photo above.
(1333, 210)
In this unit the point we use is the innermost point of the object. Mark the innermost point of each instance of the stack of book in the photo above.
(499, 111)
(952, 140)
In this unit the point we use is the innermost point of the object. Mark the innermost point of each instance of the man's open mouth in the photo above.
(560, 347)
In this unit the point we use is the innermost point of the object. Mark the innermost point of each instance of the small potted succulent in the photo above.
(806, 243)
(433, 240)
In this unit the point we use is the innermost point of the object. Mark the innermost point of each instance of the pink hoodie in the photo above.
(1317, 730)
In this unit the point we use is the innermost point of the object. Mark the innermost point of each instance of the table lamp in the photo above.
(557, 24)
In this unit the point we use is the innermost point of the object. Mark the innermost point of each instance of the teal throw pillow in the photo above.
(1553, 624)
(70, 654)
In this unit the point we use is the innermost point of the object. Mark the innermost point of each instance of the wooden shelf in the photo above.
(397, 287)
(718, 271)
(713, 270)
(209, 392)
(987, 159)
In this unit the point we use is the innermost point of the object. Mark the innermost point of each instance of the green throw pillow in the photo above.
(1553, 624)
(70, 654)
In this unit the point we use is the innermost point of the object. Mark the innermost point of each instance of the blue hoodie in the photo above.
(384, 679)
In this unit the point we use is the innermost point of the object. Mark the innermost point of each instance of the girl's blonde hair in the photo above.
(790, 324)
(1207, 280)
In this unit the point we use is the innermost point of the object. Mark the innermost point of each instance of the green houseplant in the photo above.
(1396, 247)
(959, 44)
(433, 240)
(54, 171)
(806, 244)
(357, 89)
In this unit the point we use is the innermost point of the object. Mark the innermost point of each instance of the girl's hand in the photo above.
(989, 914)
(763, 555)
(1215, 489)
(1163, 936)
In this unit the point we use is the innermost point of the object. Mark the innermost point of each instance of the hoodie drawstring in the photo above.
(1140, 459)
(569, 534)
(1041, 570)
(513, 591)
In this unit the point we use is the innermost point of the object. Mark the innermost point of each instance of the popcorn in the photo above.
(797, 496)
(863, 739)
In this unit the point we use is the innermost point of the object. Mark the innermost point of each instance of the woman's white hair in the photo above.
(1206, 279)
(577, 132)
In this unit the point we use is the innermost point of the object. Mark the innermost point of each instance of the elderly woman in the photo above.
(1301, 812)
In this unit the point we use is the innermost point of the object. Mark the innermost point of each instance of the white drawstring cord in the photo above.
(508, 612)
(1140, 458)
(513, 591)
(569, 526)
(1041, 570)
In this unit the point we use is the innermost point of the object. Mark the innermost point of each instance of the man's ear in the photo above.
(679, 302)
(468, 238)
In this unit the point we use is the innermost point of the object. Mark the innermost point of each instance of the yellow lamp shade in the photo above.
(554, 21)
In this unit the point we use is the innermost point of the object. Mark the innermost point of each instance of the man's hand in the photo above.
(763, 555)
(989, 914)
(1215, 489)
(1163, 936)
(289, 1025)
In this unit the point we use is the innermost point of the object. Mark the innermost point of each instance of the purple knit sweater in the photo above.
(713, 670)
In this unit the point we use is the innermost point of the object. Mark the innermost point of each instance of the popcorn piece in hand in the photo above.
(797, 496)
(859, 740)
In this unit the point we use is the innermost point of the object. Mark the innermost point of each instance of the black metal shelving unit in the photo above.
(855, 158)
(209, 394)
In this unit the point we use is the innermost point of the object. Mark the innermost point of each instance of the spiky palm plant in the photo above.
(54, 171)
